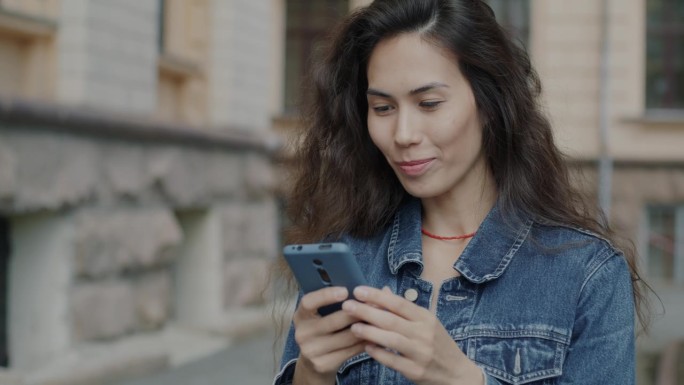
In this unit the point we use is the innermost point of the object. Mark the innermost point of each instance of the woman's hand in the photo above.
(324, 342)
(409, 339)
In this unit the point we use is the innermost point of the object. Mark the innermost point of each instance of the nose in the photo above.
(407, 132)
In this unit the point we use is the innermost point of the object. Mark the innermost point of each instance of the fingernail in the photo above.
(356, 328)
(387, 289)
(361, 292)
(349, 305)
(341, 293)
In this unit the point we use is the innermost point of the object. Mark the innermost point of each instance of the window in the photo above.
(514, 16)
(27, 43)
(664, 54)
(183, 36)
(665, 243)
(307, 23)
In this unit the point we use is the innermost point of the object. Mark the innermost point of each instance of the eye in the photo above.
(430, 104)
(382, 109)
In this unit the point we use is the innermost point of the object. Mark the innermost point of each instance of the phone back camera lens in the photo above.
(299, 247)
(324, 276)
(317, 262)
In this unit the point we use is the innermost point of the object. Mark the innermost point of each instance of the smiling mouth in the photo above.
(415, 167)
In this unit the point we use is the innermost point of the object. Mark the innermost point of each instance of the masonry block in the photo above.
(225, 174)
(246, 282)
(102, 311)
(251, 229)
(153, 299)
(123, 171)
(66, 172)
(181, 176)
(111, 242)
(259, 176)
(233, 217)
(261, 235)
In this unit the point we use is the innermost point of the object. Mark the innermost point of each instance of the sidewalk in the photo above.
(247, 362)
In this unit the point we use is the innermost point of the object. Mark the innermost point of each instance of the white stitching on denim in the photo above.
(280, 374)
(450, 297)
(516, 369)
(394, 265)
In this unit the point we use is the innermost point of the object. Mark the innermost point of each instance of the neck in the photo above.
(461, 210)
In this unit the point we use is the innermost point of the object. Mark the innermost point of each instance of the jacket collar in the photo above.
(484, 259)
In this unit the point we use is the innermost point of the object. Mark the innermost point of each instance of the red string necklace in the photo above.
(433, 236)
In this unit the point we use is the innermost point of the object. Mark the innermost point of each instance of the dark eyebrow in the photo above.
(427, 87)
(419, 90)
(375, 92)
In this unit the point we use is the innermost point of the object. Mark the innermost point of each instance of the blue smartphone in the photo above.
(320, 265)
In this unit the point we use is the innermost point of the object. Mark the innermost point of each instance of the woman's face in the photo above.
(423, 117)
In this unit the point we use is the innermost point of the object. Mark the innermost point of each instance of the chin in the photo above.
(421, 192)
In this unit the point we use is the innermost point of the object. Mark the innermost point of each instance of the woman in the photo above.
(426, 152)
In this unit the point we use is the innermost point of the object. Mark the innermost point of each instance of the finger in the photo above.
(334, 360)
(310, 328)
(383, 319)
(334, 322)
(310, 302)
(331, 343)
(389, 301)
(395, 361)
(388, 339)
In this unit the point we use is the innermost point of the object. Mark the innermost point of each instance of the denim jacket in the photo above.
(534, 304)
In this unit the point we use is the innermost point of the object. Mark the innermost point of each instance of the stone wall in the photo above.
(120, 229)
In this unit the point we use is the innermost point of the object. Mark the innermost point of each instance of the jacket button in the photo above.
(411, 295)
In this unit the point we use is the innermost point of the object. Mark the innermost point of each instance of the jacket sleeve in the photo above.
(288, 360)
(602, 347)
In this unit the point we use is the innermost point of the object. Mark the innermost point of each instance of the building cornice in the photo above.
(26, 25)
(90, 122)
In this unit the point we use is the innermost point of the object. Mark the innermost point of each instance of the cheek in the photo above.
(378, 136)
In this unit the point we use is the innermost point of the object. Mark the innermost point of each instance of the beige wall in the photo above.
(359, 3)
(566, 48)
(11, 57)
(278, 64)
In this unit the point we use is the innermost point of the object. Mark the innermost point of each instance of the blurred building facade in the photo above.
(136, 192)
(613, 78)
(136, 189)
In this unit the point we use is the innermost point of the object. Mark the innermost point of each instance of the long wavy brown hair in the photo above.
(342, 183)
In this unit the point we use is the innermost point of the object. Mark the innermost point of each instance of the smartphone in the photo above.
(320, 265)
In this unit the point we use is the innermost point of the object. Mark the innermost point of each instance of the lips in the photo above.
(415, 167)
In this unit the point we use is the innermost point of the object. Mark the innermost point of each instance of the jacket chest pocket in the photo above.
(518, 357)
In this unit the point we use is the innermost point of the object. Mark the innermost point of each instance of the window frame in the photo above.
(678, 243)
(667, 32)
